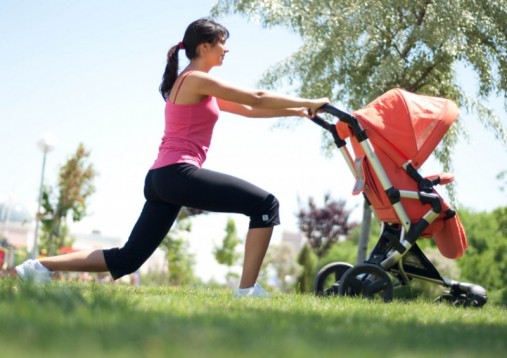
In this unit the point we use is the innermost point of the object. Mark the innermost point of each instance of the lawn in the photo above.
(112, 320)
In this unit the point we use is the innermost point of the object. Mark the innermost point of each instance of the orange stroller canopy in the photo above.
(403, 126)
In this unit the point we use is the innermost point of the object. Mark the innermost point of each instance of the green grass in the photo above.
(94, 320)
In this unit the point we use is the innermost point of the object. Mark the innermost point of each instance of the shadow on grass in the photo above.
(87, 320)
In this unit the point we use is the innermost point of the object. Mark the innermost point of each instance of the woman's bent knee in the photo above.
(121, 262)
(266, 213)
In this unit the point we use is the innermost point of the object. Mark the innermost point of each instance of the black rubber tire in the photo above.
(366, 280)
(462, 300)
(321, 283)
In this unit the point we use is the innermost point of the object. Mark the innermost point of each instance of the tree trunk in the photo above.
(362, 245)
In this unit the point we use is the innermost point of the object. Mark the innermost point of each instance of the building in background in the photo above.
(294, 239)
(16, 223)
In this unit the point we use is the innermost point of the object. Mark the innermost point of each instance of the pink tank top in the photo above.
(188, 132)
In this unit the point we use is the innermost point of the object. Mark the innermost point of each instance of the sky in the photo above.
(88, 72)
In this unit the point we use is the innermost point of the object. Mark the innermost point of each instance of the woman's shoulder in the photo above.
(196, 80)
(191, 88)
(203, 81)
(199, 75)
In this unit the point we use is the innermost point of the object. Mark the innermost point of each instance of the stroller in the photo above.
(391, 138)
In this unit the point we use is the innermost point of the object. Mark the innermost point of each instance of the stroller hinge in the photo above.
(353, 124)
(418, 228)
(393, 195)
(431, 199)
(412, 172)
(423, 184)
(394, 242)
(337, 140)
(389, 247)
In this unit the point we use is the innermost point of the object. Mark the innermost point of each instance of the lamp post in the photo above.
(46, 144)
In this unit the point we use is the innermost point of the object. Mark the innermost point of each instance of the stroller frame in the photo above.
(396, 252)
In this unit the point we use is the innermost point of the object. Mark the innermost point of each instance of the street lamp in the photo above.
(46, 144)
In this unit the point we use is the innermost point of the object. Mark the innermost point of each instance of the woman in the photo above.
(193, 101)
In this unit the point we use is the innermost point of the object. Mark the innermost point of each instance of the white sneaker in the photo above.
(33, 271)
(255, 291)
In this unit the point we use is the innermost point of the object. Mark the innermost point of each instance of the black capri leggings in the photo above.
(169, 188)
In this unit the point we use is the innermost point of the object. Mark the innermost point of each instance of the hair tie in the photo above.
(181, 46)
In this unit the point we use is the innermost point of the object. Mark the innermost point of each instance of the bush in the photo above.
(485, 261)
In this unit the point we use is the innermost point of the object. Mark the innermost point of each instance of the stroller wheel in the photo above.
(456, 300)
(328, 278)
(446, 298)
(463, 299)
(366, 280)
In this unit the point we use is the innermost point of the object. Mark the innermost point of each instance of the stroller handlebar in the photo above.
(345, 117)
(341, 115)
(330, 127)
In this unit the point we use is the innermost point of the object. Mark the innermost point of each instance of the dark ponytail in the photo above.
(200, 31)
(170, 73)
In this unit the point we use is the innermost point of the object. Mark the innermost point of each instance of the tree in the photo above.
(324, 226)
(308, 260)
(485, 262)
(181, 261)
(502, 177)
(74, 187)
(282, 259)
(353, 51)
(227, 254)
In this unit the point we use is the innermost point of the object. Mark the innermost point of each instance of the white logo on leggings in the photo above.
(265, 217)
